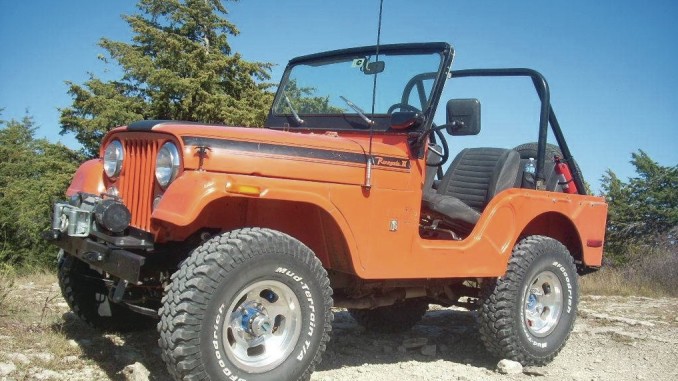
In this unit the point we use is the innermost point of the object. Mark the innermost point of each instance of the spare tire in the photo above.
(529, 150)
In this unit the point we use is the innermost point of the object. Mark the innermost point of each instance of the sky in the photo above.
(610, 63)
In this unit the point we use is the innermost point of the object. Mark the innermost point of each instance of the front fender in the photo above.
(185, 199)
(179, 212)
(89, 178)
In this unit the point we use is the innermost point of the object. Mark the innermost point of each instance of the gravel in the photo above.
(615, 338)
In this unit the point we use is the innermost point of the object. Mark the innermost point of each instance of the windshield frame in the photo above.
(353, 121)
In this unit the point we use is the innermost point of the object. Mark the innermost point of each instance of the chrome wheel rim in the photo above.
(543, 304)
(262, 326)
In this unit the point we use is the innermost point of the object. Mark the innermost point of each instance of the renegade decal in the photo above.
(305, 152)
(390, 162)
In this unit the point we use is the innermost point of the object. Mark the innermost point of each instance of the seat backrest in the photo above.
(477, 174)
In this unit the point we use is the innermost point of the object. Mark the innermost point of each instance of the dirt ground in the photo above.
(615, 338)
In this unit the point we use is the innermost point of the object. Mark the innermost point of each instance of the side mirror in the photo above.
(374, 67)
(403, 120)
(463, 117)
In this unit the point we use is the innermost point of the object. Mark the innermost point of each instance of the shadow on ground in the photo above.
(114, 351)
(454, 333)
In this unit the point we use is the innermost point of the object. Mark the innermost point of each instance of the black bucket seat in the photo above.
(475, 176)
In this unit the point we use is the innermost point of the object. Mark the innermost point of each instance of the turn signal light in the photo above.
(250, 190)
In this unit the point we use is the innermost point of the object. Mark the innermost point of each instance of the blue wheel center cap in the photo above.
(248, 317)
(531, 301)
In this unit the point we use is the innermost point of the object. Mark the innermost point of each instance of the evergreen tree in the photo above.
(34, 173)
(179, 66)
(645, 209)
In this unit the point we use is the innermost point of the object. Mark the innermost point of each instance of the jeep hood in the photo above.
(323, 157)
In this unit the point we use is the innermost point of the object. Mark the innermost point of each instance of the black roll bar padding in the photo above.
(546, 116)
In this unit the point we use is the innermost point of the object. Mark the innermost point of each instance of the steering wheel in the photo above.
(402, 106)
(444, 153)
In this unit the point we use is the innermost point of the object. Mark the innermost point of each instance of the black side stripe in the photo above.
(305, 152)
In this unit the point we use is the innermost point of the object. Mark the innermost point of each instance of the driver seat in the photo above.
(475, 176)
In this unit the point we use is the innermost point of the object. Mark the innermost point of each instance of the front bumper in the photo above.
(77, 229)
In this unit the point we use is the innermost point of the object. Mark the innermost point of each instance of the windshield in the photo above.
(340, 87)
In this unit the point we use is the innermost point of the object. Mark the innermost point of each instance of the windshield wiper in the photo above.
(294, 112)
(357, 109)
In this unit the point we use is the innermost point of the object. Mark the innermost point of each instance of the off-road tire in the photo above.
(87, 296)
(391, 319)
(502, 314)
(204, 295)
(529, 150)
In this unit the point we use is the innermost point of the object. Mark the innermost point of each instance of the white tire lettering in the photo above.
(311, 306)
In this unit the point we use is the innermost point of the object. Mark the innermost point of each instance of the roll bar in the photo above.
(546, 117)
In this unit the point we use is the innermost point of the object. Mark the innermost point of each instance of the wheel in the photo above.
(527, 315)
(391, 319)
(252, 304)
(529, 150)
(87, 295)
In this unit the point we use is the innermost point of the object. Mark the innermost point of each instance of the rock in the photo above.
(415, 342)
(428, 350)
(45, 357)
(136, 372)
(387, 349)
(6, 368)
(533, 372)
(402, 349)
(115, 339)
(73, 343)
(47, 374)
(18, 358)
(509, 367)
(614, 319)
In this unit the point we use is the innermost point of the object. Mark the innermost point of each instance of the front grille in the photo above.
(137, 178)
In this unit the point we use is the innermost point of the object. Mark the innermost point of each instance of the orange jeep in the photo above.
(241, 240)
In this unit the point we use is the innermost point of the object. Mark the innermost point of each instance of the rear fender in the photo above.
(578, 222)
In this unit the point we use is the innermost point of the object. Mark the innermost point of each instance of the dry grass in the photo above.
(6, 285)
(35, 322)
(653, 273)
(33, 307)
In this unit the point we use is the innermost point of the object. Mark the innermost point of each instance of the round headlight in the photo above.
(113, 156)
(167, 164)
